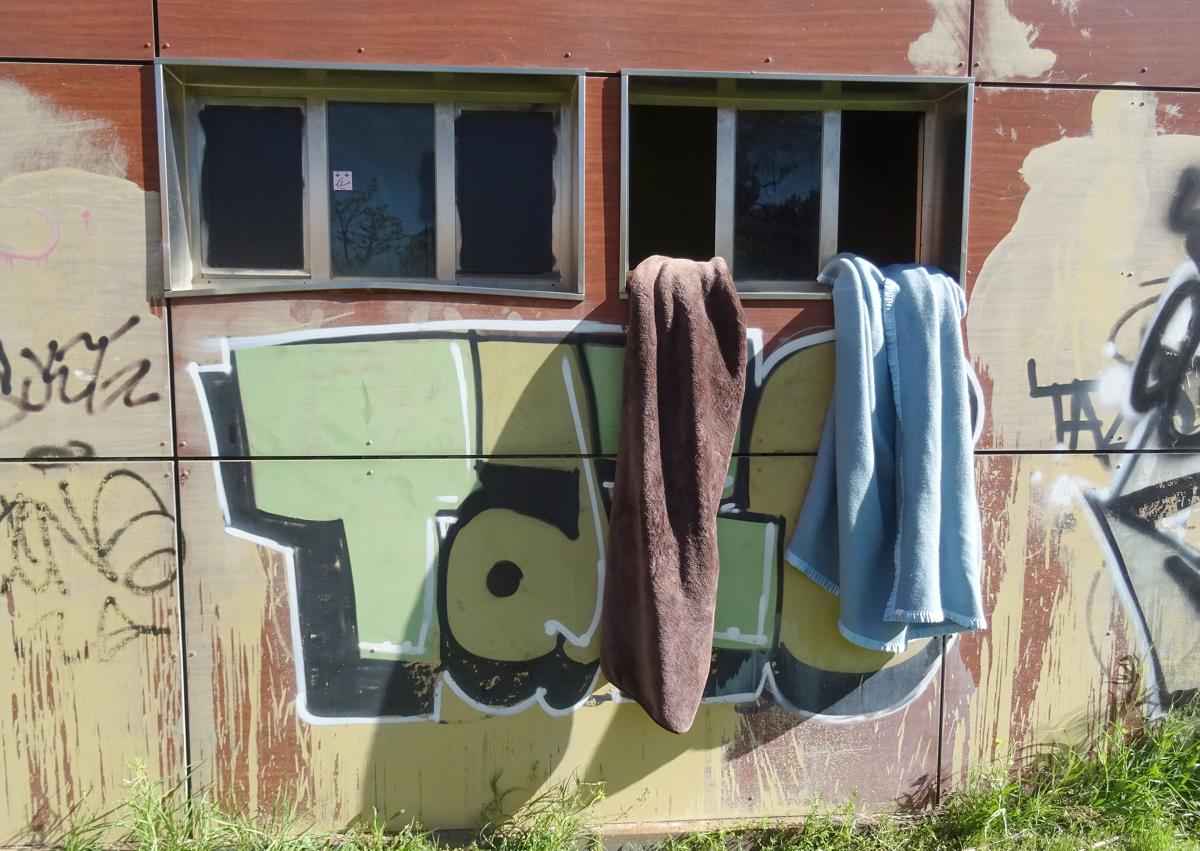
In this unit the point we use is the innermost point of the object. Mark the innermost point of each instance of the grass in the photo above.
(1137, 787)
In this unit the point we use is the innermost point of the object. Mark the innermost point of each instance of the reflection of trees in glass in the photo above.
(363, 229)
(776, 196)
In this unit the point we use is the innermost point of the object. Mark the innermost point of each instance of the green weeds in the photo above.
(1137, 788)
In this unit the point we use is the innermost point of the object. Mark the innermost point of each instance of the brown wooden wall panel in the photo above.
(104, 114)
(1074, 233)
(77, 29)
(849, 36)
(1072, 43)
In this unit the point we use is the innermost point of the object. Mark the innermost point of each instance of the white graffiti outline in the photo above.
(553, 626)
(460, 374)
(760, 637)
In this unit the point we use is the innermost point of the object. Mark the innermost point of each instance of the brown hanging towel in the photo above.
(685, 373)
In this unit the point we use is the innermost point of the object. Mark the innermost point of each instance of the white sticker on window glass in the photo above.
(343, 181)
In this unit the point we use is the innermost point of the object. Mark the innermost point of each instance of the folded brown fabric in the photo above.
(685, 373)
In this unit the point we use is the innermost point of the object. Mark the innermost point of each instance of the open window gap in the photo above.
(802, 169)
(879, 187)
(672, 182)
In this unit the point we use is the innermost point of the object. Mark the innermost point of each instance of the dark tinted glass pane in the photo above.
(877, 201)
(777, 195)
(252, 187)
(505, 186)
(672, 182)
(381, 217)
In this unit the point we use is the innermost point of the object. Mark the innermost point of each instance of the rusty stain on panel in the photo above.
(1047, 670)
(88, 567)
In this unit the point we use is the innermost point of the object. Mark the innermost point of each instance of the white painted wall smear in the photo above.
(1005, 45)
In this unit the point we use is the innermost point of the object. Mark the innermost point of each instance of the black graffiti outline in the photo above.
(84, 537)
(1083, 414)
(337, 682)
(1157, 393)
(495, 683)
(81, 532)
(1160, 371)
(54, 370)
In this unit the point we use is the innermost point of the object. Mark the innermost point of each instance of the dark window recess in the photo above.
(252, 187)
(505, 186)
(672, 182)
(381, 210)
(877, 203)
(777, 195)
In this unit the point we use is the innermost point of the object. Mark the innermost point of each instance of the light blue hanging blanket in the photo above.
(891, 522)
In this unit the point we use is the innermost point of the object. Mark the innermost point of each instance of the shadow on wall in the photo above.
(452, 599)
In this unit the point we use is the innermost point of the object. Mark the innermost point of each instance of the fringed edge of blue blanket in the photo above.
(948, 626)
(812, 573)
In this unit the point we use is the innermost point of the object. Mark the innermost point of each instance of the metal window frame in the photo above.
(179, 173)
(830, 103)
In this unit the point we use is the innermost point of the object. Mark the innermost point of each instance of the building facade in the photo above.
(310, 350)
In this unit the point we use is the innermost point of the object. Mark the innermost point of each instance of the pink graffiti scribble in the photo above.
(10, 255)
(86, 215)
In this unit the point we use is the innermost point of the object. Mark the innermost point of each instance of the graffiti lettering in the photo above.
(1143, 513)
(72, 373)
(1082, 416)
(38, 455)
(45, 541)
(487, 580)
